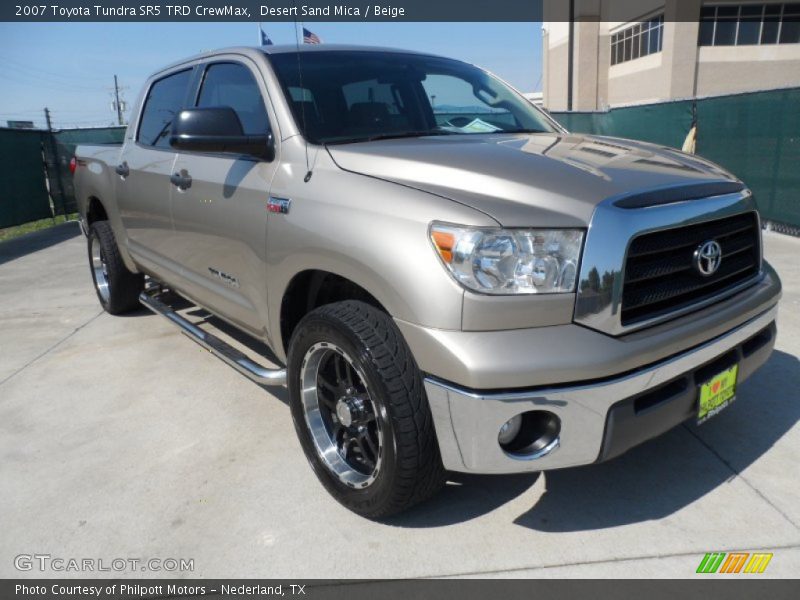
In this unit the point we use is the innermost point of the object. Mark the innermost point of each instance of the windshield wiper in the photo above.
(523, 131)
(393, 136)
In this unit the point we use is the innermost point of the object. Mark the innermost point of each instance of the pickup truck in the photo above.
(453, 282)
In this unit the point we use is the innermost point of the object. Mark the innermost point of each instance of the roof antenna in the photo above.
(302, 91)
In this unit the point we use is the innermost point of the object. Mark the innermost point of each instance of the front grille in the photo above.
(660, 276)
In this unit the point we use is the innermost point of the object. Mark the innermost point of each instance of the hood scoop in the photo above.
(681, 193)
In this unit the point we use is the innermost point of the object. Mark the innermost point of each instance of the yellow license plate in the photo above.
(717, 393)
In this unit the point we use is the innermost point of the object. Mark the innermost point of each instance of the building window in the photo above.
(637, 40)
(750, 24)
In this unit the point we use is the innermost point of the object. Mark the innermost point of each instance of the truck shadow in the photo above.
(37, 240)
(256, 349)
(669, 473)
(649, 482)
(465, 497)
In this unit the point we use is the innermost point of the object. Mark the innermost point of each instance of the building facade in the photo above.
(656, 50)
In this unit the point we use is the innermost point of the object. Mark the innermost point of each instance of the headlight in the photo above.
(510, 261)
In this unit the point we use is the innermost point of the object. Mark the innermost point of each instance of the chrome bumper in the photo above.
(467, 422)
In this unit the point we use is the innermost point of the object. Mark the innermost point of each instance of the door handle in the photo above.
(123, 170)
(181, 180)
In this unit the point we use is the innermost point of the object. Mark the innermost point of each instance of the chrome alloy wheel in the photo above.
(340, 415)
(100, 269)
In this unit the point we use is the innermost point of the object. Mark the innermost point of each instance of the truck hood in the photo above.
(548, 180)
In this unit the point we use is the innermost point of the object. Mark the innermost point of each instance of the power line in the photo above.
(32, 81)
(21, 112)
(56, 111)
(24, 76)
(63, 118)
(60, 80)
(82, 111)
(28, 68)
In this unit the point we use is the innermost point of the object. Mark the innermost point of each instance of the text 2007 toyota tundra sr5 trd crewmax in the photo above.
(453, 281)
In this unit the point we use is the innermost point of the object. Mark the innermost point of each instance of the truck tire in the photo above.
(360, 410)
(117, 288)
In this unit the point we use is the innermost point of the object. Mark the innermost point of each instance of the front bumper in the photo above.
(599, 419)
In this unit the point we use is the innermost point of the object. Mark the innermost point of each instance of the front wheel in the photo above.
(117, 288)
(360, 410)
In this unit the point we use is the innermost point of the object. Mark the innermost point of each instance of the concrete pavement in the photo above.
(122, 439)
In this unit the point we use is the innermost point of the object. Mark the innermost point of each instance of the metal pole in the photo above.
(116, 99)
(56, 163)
(571, 51)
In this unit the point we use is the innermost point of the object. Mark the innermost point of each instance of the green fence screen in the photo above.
(756, 136)
(23, 194)
(35, 182)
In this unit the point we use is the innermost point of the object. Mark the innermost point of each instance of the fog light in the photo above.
(530, 435)
(509, 430)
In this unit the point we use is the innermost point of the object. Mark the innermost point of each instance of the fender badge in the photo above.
(227, 278)
(278, 205)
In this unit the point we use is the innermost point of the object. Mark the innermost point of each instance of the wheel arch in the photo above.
(312, 288)
(95, 210)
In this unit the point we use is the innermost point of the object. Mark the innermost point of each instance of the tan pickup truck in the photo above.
(453, 281)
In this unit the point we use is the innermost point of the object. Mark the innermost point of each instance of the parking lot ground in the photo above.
(120, 438)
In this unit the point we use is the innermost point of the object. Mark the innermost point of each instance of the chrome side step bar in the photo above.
(226, 352)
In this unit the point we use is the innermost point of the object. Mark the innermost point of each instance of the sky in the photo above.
(70, 67)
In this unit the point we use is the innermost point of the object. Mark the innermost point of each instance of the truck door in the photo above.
(146, 163)
(220, 217)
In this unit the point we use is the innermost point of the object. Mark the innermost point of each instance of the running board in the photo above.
(226, 352)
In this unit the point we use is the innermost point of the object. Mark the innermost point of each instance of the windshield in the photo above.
(347, 96)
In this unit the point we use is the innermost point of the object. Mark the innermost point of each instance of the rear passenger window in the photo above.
(232, 84)
(163, 102)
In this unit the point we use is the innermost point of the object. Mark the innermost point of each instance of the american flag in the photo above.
(310, 38)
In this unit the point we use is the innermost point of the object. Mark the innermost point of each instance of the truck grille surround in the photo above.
(660, 272)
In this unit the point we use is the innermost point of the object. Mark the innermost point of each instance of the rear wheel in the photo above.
(360, 410)
(117, 288)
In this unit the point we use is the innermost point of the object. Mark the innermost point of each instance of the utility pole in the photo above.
(571, 54)
(116, 101)
(55, 163)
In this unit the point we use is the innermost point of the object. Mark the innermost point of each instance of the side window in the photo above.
(232, 84)
(163, 102)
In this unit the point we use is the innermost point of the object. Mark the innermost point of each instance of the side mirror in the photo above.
(218, 129)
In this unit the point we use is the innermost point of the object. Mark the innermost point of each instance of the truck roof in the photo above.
(254, 51)
(284, 48)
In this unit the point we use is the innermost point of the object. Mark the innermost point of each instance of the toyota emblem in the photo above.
(707, 258)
